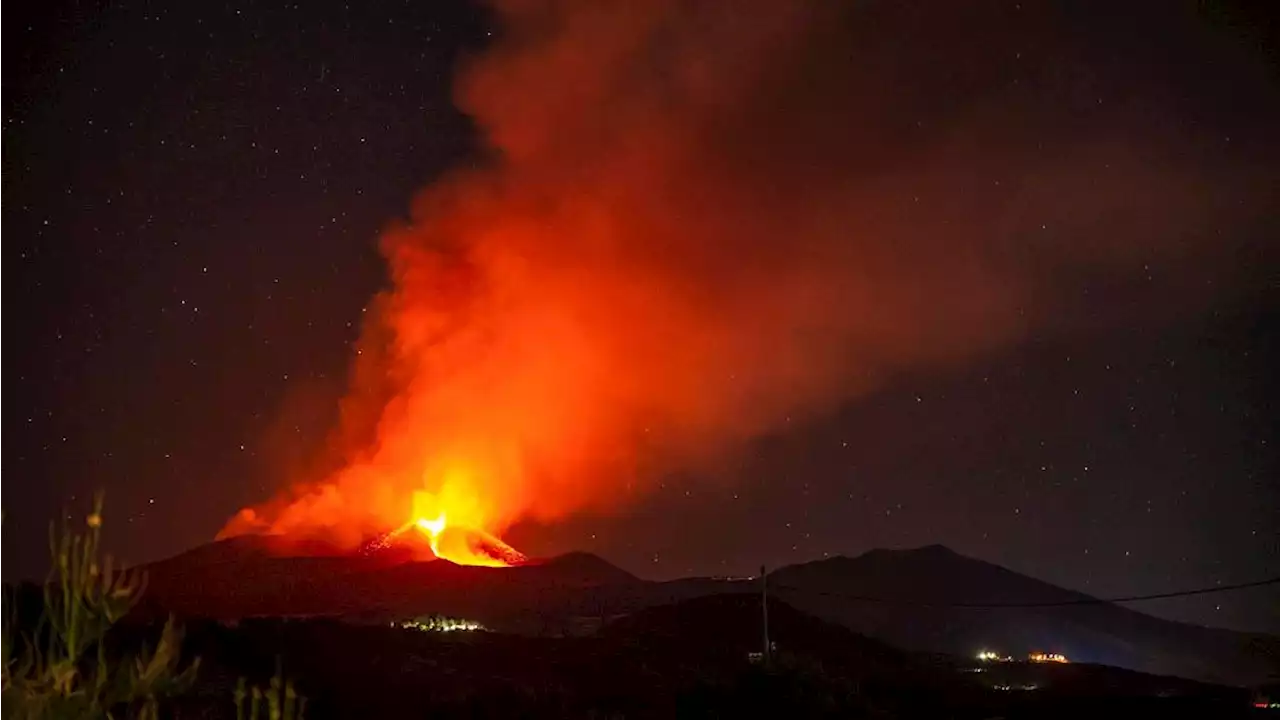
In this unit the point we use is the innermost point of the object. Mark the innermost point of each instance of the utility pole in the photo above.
(764, 612)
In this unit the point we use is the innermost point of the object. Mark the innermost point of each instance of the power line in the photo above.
(1060, 603)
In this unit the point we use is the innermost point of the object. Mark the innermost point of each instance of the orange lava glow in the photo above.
(460, 543)
(454, 522)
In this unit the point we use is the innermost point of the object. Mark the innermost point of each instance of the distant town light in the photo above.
(993, 656)
(1010, 688)
(439, 623)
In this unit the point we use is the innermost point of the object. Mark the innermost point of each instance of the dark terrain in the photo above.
(574, 636)
(690, 659)
(876, 594)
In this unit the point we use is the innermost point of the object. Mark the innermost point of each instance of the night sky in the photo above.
(194, 195)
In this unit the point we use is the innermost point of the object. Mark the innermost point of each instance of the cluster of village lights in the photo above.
(1035, 657)
(439, 623)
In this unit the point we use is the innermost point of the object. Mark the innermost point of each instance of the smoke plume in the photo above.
(696, 220)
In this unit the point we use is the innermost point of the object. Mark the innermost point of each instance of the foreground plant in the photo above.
(279, 701)
(62, 670)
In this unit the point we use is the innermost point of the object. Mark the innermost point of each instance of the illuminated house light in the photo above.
(1263, 702)
(992, 656)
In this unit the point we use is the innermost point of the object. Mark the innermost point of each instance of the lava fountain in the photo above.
(459, 543)
(454, 523)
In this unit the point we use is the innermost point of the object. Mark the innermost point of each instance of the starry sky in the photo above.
(194, 195)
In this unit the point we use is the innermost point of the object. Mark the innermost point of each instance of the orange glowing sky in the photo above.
(688, 233)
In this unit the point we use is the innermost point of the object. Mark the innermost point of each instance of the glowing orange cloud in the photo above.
(698, 220)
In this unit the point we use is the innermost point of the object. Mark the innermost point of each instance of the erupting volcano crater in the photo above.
(456, 543)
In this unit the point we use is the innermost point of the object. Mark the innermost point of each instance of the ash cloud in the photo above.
(698, 220)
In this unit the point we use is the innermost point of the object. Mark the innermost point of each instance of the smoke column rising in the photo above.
(697, 220)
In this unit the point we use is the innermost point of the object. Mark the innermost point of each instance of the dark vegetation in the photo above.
(575, 637)
(58, 658)
(689, 659)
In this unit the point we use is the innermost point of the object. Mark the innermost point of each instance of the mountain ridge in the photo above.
(877, 593)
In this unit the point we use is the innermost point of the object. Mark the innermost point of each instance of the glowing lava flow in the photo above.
(461, 543)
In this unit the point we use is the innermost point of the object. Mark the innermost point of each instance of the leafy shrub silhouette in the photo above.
(62, 669)
(279, 701)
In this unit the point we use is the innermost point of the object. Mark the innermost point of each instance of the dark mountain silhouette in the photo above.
(581, 567)
(712, 630)
(1092, 632)
(730, 625)
(906, 598)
